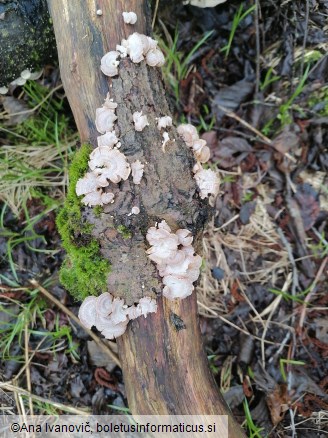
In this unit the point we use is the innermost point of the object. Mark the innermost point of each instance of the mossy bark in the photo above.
(84, 271)
(27, 38)
(165, 369)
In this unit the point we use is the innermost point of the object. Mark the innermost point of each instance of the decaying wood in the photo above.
(164, 364)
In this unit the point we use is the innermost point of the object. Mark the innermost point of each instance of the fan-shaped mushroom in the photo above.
(129, 17)
(164, 122)
(109, 63)
(140, 121)
(137, 169)
(207, 182)
(109, 164)
(87, 312)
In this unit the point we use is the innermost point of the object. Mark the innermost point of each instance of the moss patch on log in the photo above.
(124, 232)
(84, 271)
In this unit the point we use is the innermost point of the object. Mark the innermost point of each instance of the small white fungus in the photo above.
(140, 121)
(129, 17)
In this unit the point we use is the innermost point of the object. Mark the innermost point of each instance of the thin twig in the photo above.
(233, 115)
(257, 36)
(306, 31)
(282, 346)
(244, 331)
(98, 341)
(155, 14)
(292, 421)
(274, 308)
(20, 391)
(295, 283)
(27, 366)
(39, 104)
(30, 358)
(259, 134)
(311, 292)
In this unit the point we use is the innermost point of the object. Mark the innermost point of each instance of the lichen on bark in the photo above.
(84, 271)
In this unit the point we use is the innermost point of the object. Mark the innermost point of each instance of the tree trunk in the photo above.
(164, 365)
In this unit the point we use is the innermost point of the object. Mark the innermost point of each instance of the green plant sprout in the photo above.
(177, 65)
(237, 19)
(247, 197)
(203, 124)
(254, 431)
(228, 178)
(269, 79)
(320, 249)
(43, 408)
(250, 372)
(284, 110)
(287, 296)
(211, 359)
(284, 115)
(120, 409)
(17, 324)
(24, 236)
(284, 362)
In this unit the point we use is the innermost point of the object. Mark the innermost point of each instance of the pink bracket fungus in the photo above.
(105, 118)
(202, 152)
(137, 169)
(190, 136)
(87, 312)
(129, 17)
(207, 182)
(110, 315)
(139, 47)
(104, 304)
(147, 305)
(164, 122)
(135, 210)
(166, 139)
(114, 330)
(123, 50)
(175, 259)
(91, 187)
(109, 164)
(134, 47)
(188, 133)
(140, 121)
(164, 243)
(108, 140)
(155, 58)
(109, 64)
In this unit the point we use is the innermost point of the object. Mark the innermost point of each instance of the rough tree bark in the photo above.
(164, 365)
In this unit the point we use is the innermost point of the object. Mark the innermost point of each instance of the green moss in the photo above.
(124, 231)
(98, 209)
(84, 271)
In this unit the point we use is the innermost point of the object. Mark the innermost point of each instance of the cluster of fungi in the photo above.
(173, 253)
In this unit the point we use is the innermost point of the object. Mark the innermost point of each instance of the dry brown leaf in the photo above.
(277, 402)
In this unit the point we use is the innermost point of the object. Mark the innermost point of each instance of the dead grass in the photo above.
(258, 239)
(26, 167)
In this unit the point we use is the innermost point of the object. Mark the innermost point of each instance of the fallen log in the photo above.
(164, 364)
